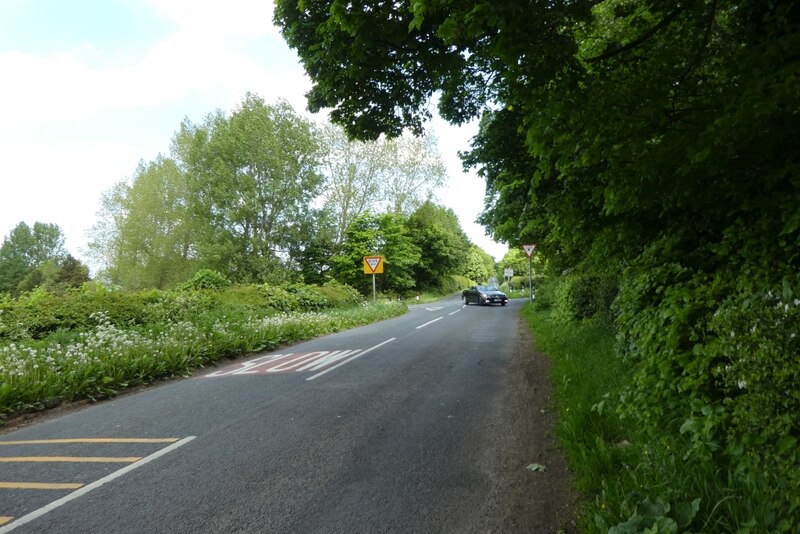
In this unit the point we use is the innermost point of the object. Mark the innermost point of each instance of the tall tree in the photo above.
(252, 175)
(480, 265)
(396, 175)
(362, 238)
(414, 171)
(71, 273)
(146, 235)
(314, 255)
(516, 260)
(27, 248)
(354, 172)
(55, 276)
(444, 245)
(401, 254)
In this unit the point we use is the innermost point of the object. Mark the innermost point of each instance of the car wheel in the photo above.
(502, 303)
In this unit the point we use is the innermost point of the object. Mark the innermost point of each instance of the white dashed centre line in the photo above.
(429, 322)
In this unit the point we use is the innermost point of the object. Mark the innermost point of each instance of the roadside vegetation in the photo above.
(90, 343)
(680, 474)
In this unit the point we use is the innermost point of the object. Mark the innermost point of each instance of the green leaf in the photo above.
(536, 468)
(690, 425)
(792, 224)
(448, 31)
(685, 512)
(786, 291)
(786, 443)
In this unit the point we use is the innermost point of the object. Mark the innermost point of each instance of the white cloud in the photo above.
(207, 62)
(464, 191)
(206, 53)
(60, 183)
(41, 89)
(51, 179)
(244, 18)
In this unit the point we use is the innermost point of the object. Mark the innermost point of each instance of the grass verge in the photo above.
(585, 369)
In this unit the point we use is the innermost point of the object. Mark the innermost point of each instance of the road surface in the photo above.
(399, 426)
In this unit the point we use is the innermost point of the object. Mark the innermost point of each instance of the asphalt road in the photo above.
(392, 427)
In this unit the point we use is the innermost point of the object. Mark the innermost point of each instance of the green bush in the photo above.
(519, 281)
(592, 295)
(340, 295)
(155, 306)
(308, 297)
(245, 298)
(205, 279)
(35, 315)
(278, 298)
(453, 283)
(576, 296)
(707, 405)
(38, 314)
(463, 281)
(714, 393)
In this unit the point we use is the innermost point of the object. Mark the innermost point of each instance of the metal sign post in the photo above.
(529, 250)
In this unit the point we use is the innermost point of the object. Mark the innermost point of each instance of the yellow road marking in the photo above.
(89, 440)
(87, 459)
(5, 519)
(38, 485)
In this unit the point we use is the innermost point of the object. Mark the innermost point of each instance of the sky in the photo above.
(92, 87)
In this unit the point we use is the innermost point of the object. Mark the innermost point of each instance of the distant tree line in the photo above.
(262, 195)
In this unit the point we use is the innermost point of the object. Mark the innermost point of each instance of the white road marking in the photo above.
(455, 312)
(434, 308)
(94, 485)
(429, 322)
(348, 360)
(297, 361)
(282, 363)
(329, 358)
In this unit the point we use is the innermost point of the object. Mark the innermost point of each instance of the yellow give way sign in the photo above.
(373, 264)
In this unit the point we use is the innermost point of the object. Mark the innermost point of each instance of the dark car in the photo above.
(484, 295)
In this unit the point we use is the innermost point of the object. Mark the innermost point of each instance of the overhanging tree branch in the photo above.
(666, 21)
